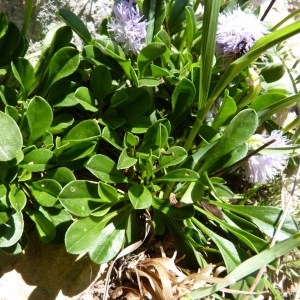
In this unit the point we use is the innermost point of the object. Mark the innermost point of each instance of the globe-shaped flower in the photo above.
(263, 168)
(126, 26)
(237, 32)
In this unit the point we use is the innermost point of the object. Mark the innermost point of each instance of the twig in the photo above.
(267, 10)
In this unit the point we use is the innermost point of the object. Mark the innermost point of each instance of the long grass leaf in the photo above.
(251, 265)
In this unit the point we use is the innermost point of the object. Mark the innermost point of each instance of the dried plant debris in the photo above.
(142, 277)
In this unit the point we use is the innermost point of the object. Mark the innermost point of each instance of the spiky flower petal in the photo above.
(237, 32)
(263, 168)
(126, 26)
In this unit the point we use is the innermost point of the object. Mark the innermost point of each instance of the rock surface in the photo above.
(44, 15)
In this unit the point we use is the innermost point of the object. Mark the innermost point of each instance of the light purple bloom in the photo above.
(263, 168)
(126, 26)
(237, 32)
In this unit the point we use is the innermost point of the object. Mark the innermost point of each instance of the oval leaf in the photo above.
(77, 197)
(108, 245)
(180, 175)
(82, 234)
(23, 72)
(39, 116)
(105, 169)
(139, 196)
(63, 63)
(10, 138)
(12, 230)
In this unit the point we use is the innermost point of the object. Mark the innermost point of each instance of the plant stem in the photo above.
(267, 10)
(195, 129)
(27, 16)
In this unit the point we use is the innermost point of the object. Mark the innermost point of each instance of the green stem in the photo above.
(27, 16)
(194, 131)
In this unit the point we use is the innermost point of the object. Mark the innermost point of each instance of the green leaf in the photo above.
(254, 242)
(175, 15)
(224, 164)
(182, 99)
(273, 72)
(157, 71)
(130, 140)
(130, 102)
(10, 138)
(101, 82)
(125, 161)
(44, 226)
(24, 73)
(155, 137)
(110, 136)
(38, 125)
(154, 12)
(46, 191)
(227, 109)
(109, 243)
(12, 230)
(139, 196)
(138, 124)
(105, 169)
(37, 160)
(181, 213)
(74, 151)
(179, 175)
(3, 24)
(228, 250)
(63, 63)
(86, 130)
(76, 24)
(54, 40)
(151, 52)
(263, 101)
(61, 122)
(240, 129)
(107, 193)
(190, 26)
(9, 43)
(8, 96)
(82, 234)
(250, 266)
(79, 197)
(266, 113)
(148, 82)
(17, 198)
(112, 49)
(61, 220)
(266, 218)
(85, 98)
(208, 44)
(62, 175)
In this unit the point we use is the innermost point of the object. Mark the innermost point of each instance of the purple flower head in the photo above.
(237, 32)
(263, 168)
(126, 26)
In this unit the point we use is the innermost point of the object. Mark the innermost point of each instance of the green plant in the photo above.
(91, 139)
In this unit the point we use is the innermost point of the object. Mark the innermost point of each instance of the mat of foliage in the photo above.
(100, 146)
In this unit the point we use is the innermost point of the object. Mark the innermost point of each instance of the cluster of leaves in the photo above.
(92, 139)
